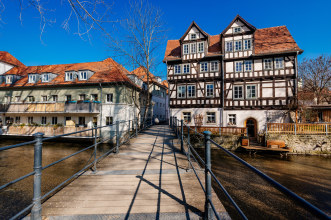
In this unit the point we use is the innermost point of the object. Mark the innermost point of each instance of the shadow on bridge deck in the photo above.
(148, 179)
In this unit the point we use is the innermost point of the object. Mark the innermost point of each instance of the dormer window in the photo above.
(69, 76)
(237, 29)
(9, 79)
(193, 36)
(45, 77)
(83, 75)
(32, 78)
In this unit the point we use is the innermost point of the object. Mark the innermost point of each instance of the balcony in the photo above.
(57, 107)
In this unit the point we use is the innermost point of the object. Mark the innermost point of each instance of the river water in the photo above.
(308, 176)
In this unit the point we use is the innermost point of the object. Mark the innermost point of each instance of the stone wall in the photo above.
(305, 144)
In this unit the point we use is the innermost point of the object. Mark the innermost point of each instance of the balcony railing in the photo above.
(56, 107)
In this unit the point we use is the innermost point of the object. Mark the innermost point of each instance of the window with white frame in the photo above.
(69, 76)
(211, 118)
(82, 97)
(193, 36)
(201, 47)
(109, 120)
(32, 78)
(17, 119)
(232, 119)
(267, 64)
(237, 92)
(204, 67)
(54, 98)
(239, 66)
(279, 64)
(9, 79)
(83, 75)
(181, 91)
(250, 91)
(210, 90)
(247, 44)
(186, 68)
(190, 91)
(214, 66)
(68, 98)
(54, 120)
(43, 120)
(94, 97)
(193, 48)
(248, 65)
(30, 120)
(229, 46)
(31, 98)
(237, 29)
(177, 69)
(187, 117)
(185, 48)
(45, 77)
(237, 45)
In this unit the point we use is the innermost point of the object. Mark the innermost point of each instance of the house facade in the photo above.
(242, 77)
(158, 92)
(66, 96)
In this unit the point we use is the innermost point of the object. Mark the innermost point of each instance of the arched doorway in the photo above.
(251, 125)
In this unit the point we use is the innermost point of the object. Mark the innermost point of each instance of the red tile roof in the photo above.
(173, 49)
(274, 40)
(106, 71)
(10, 59)
(266, 40)
(141, 73)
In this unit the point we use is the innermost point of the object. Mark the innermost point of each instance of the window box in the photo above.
(97, 102)
(86, 101)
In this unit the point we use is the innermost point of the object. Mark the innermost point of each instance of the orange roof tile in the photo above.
(106, 71)
(10, 59)
(141, 73)
(273, 40)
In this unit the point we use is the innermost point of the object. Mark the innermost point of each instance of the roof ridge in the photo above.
(272, 27)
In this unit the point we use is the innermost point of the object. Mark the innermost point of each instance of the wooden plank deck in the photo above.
(148, 179)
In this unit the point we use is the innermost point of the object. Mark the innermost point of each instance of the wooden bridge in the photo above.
(148, 179)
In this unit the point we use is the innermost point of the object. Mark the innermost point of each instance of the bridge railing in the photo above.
(132, 128)
(191, 153)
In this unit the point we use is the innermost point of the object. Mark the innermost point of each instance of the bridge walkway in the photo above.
(148, 179)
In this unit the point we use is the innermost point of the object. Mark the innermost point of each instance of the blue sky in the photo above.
(308, 22)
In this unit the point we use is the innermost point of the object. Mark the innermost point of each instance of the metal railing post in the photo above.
(208, 209)
(295, 129)
(136, 127)
(188, 147)
(117, 136)
(36, 209)
(129, 129)
(95, 149)
(326, 129)
(176, 126)
(182, 136)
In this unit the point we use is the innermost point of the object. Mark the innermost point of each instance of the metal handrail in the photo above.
(278, 186)
(313, 209)
(38, 168)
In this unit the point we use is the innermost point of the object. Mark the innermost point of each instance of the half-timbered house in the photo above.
(242, 77)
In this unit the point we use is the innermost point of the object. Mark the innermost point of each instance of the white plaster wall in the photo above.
(259, 115)
(176, 112)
